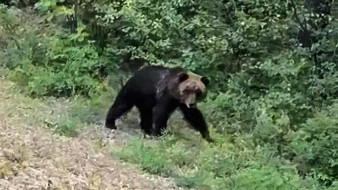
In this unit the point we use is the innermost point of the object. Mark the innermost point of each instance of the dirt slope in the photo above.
(32, 157)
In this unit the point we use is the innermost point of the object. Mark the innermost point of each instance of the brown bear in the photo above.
(157, 91)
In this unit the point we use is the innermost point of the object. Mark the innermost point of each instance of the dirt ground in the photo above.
(33, 157)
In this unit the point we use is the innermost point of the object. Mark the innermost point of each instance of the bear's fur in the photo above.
(157, 91)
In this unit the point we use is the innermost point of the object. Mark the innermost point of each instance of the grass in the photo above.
(176, 156)
(230, 163)
(151, 160)
(15, 156)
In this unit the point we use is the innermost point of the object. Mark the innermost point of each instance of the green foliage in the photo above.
(151, 160)
(60, 64)
(315, 145)
(45, 5)
(67, 127)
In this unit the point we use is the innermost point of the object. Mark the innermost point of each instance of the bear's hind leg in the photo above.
(120, 106)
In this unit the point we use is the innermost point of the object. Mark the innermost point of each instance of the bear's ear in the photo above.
(182, 77)
(205, 80)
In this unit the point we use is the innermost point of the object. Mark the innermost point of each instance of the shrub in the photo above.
(314, 145)
(58, 64)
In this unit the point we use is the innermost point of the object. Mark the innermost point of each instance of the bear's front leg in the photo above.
(195, 117)
(161, 114)
(146, 115)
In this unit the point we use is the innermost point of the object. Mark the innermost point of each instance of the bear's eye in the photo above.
(182, 77)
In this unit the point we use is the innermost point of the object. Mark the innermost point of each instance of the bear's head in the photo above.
(191, 88)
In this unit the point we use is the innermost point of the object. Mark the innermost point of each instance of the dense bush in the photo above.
(52, 61)
(314, 145)
(273, 70)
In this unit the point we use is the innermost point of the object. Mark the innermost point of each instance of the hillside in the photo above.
(33, 157)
